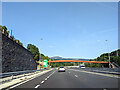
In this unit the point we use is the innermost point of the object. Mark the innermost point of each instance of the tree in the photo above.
(114, 57)
(21, 43)
(4, 27)
(34, 50)
(5, 30)
(0, 27)
(36, 57)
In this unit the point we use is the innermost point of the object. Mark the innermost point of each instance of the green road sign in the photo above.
(44, 63)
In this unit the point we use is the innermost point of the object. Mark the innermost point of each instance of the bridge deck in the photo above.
(77, 61)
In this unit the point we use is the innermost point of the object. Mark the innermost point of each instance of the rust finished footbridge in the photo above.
(101, 62)
(77, 61)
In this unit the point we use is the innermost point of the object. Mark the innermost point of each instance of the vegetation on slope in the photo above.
(114, 57)
(6, 32)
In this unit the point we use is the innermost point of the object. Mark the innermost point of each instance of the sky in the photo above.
(67, 29)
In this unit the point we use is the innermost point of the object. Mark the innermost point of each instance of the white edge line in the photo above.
(107, 75)
(24, 82)
(21, 83)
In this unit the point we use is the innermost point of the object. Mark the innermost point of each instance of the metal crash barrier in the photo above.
(6, 77)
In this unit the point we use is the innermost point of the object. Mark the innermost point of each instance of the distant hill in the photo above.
(61, 58)
(56, 58)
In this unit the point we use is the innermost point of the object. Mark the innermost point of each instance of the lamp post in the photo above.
(117, 53)
(39, 60)
(108, 53)
(40, 56)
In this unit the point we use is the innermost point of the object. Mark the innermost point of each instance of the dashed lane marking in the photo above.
(42, 82)
(25, 81)
(22, 82)
(51, 74)
(46, 79)
(108, 75)
(37, 86)
(76, 76)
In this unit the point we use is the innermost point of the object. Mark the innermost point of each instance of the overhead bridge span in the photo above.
(77, 61)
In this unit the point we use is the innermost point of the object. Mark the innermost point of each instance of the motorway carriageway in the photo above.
(70, 79)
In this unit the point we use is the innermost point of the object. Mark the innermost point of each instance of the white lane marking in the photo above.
(21, 83)
(51, 74)
(26, 81)
(107, 75)
(76, 76)
(37, 86)
(42, 82)
(46, 79)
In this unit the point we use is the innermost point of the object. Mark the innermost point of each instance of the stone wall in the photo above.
(15, 57)
(0, 51)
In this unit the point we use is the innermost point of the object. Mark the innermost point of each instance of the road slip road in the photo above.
(70, 79)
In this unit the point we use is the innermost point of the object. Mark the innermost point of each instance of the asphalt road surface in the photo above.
(71, 79)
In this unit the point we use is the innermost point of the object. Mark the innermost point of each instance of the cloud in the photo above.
(51, 46)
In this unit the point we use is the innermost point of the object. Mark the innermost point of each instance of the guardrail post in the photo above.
(11, 77)
(25, 76)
